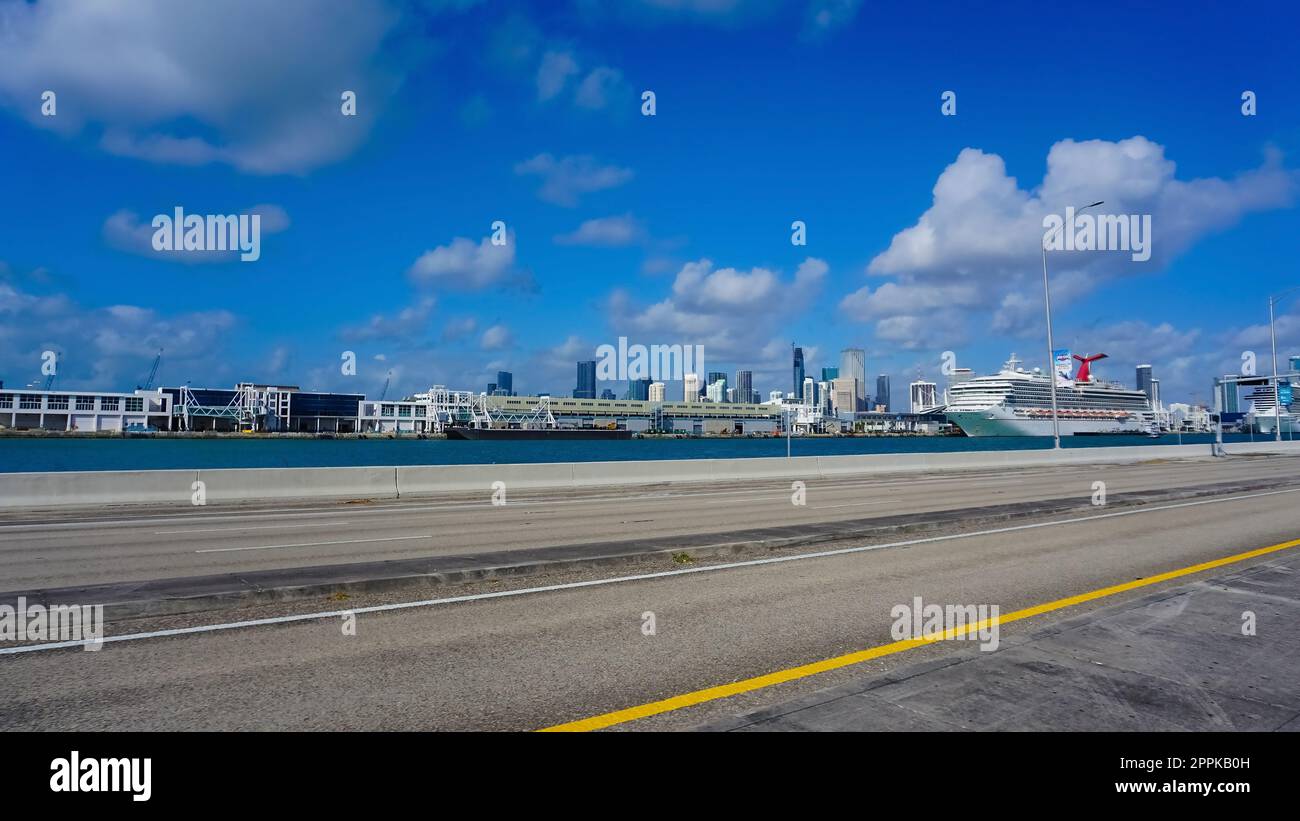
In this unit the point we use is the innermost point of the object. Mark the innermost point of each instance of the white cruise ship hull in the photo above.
(1266, 424)
(1000, 422)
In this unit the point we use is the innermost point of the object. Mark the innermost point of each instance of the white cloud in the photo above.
(464, 264)
(596, 89)
(974, 256)
(196, 87)
(825, 16)
(125, 231)
(733, 313)
(565, 180)
(459, 328)
(108, 347)
(496, 338)
(412, 321)
(554, 73)
(605, 231)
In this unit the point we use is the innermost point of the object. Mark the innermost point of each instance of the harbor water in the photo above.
(26, 455)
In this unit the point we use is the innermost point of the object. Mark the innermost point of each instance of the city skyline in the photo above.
(377, 231)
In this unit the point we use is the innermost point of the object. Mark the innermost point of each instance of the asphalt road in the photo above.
(74, 548)
(558, 655)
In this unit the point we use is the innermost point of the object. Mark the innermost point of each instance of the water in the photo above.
(22, 455)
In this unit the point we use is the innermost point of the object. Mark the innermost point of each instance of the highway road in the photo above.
(122, 544)
(537, 652)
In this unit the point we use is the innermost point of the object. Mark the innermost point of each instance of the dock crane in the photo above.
(153, 372)
(387, 381)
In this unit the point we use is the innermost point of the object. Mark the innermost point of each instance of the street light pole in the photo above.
(1051, 347)
(1277, 390)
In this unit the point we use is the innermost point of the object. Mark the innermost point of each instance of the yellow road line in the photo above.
(803, 671)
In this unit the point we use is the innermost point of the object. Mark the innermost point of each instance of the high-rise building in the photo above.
(1144, 382)
(798, 370)
(656, 392)
(731, 395)
(853, 365)
(844, 395)
(809, 391)
(717, 390)
(716, 378)
(830, 374)
(882, 392)
(924, 395)
(492, 389)
(638, 390)
(1226, 399)
(1155, 394)
(691, 387)
(744, 386)
(607, 394)
(586, 388)
(1294, 363)
(505, 383)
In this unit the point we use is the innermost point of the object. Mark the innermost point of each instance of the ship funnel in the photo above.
(1085, 373)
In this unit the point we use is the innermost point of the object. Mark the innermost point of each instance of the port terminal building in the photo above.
(261, 408)
(84, 411)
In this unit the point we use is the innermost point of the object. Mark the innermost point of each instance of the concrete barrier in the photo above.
(236, 485)
(35, 490)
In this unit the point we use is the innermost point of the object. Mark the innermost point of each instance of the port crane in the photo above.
(387, 381)
(153, 373)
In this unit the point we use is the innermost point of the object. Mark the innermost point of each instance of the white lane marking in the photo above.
(313, 544)
(250, 527)
(853, 504)
(384, 608)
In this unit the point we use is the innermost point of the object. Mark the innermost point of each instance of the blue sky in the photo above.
(922, 228)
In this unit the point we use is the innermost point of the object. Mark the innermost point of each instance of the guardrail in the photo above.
(42, 490)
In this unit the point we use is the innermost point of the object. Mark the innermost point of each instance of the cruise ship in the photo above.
(1266, 414)
(1016, 402)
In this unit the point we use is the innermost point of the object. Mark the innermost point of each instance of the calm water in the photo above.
(27, 455)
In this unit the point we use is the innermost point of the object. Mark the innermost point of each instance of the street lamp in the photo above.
(1051, 347)
(1272, 336)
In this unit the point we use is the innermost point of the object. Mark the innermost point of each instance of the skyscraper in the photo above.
(830, 374)
(809, 392)
(798, 371)
(638, 390)
(716, 387)
(1226, 399)
(1144, 382)
(656, 393)
(505, 383)
(744, 386)
(586, 388)
(882, 391)
(853, 365)
(691, 387)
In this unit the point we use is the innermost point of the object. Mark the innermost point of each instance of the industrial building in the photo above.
(250, 407)
(84, 411)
